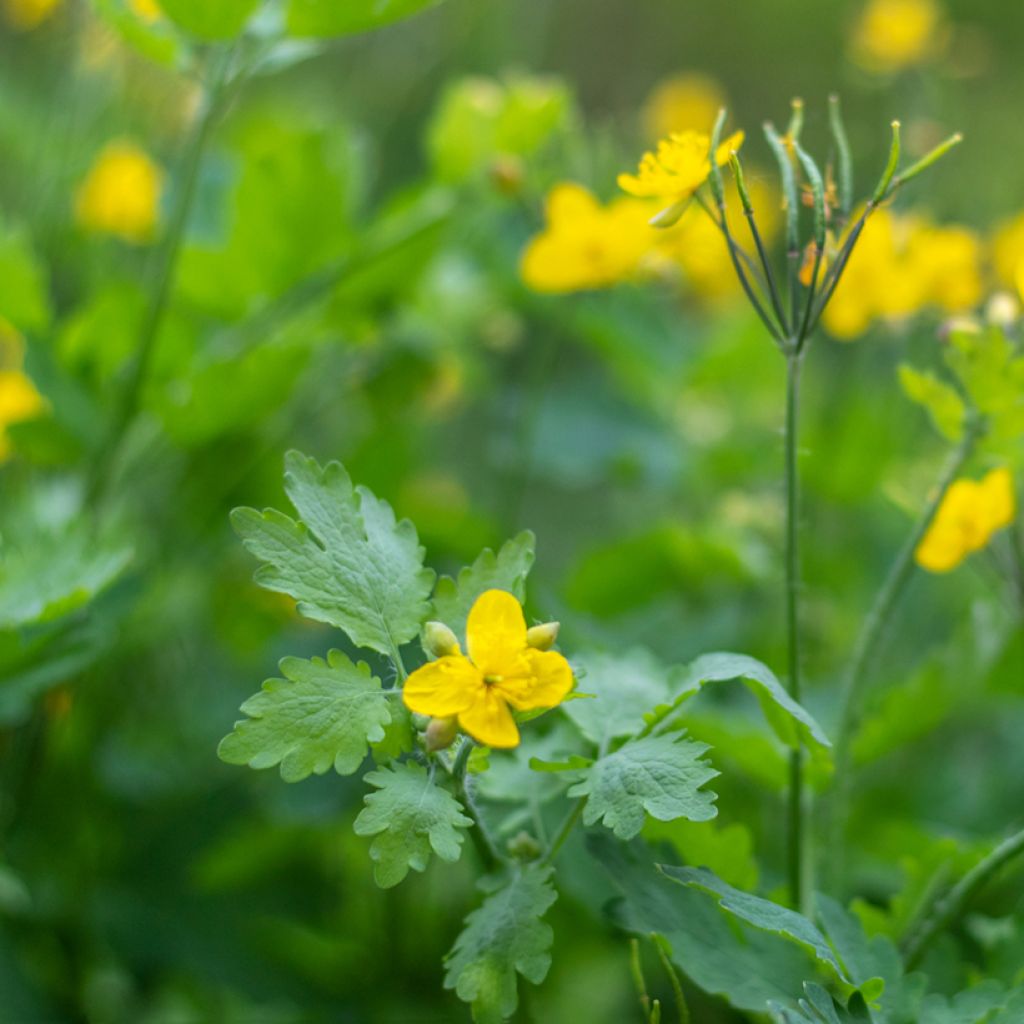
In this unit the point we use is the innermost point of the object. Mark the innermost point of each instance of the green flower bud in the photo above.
(440, 734)
(523, 847)
(439, 641)
(542, 637)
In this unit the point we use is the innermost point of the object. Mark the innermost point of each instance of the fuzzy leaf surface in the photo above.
(346, 561)
(658, 775)
(409, 815)
(504, 936)
(322, 714)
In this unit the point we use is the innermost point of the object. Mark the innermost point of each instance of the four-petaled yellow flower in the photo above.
(894, 34)
(678, 168)
(501, 671)
(121, 194)
(970, 513)
(585, 244)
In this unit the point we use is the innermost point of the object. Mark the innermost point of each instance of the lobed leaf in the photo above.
(410, 815)
(322, 714)
(346, 561)
(659, 775)
(503, 937)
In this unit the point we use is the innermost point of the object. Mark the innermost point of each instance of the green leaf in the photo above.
(410, 816)
(940, 400)
(726, 850)
(625, 686)
(343, 17)
(156, 39)
(24, 298)
(661, 775)
(210, 19)
(322, 713)
(506, 570)
(765, 916)
(503, 936)
(346, 562)
(792, 724)
(722, 955)
(972, 1006)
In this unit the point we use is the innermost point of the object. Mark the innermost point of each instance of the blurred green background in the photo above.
(349, 285)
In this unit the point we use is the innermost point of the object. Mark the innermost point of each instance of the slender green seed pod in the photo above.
(882, 190)
(844, 156)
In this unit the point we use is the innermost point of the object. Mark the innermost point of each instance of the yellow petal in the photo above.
(443, 687)
(547, 682)
(495, 632)
(940, 550)
(489, 721)
(728, 147)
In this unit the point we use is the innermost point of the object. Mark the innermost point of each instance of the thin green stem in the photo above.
(677, 987)
(165, 261)
(396, 660)
(948, 910)
(797, 860)
(870, 637)
(564, 831)
(485, 848)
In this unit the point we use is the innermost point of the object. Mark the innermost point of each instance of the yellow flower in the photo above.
(19, 399)
(689, 101)
(585, 244)
(501, 670)
(147, 10)
(895, 34)
(121, 194)
(970, 513)
(28, 14)
(1008, 253)
(678, 168)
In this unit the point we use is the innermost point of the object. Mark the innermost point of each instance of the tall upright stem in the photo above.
(164, 264)
(798, 835)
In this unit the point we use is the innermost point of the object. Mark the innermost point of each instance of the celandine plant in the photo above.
(497, 735)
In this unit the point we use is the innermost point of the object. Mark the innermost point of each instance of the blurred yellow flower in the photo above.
(19, 399)
(970, 513)
(684, 102)
(902, 265)
(27, 14)
(121, 193)
(587, 245)
(895, 34)
(1008, 253)
(678, 168)
(501, 671)
(147, 10)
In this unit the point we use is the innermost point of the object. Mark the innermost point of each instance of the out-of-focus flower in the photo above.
(19, 399)
(27, 14)
(121, 194)
(501, 671)
(970, 513)
(587, 245)
(895, 34)
(902, 265)
(147, 10)
(678, 168)
(684, 102)
(1008, 253)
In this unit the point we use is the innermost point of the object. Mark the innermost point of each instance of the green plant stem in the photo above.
(797, 860)
(951, 907)
(564, 831)
(677, 988)
(485, 848)
(867, 644)
(164, 264)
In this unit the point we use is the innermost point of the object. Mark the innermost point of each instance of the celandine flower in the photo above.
(969, 514)
(678, 168)
(895, 34)
(585, 244)
(500, 672)
(687, 101)
(121, 194)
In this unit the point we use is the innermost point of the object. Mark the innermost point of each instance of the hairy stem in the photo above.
(564, 831)
(485, 848)
(868, 642)
(951, 907)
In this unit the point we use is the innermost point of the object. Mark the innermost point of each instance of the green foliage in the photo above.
(506, 570)
(346, 561)
(659, 775)
(210, 21)
(410, 815)
(24, 298)
(941, 401)
(328, 18)
(322, 714)
(727, 850)
(505, 936)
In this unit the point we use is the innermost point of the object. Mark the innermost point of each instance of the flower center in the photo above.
(492, 680)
